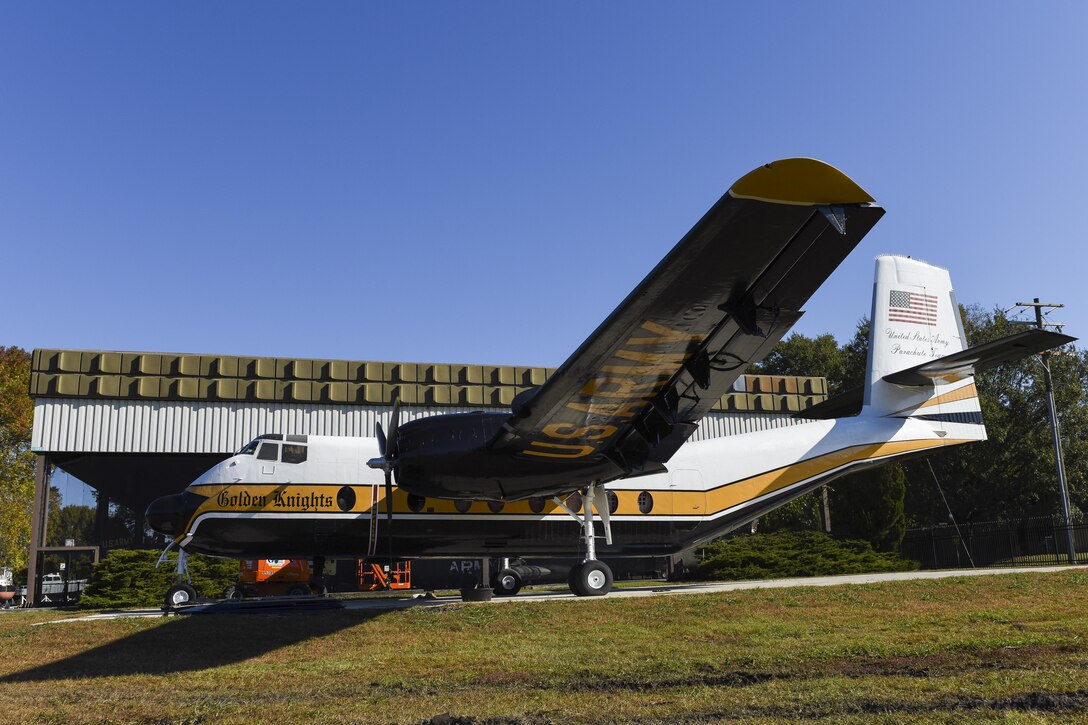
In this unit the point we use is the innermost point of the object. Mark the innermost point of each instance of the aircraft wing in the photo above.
(718, 302)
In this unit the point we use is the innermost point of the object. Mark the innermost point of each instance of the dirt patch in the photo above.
(448, 719)
(632, 684)
(942, 663)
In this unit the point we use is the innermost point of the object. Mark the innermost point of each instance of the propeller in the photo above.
(387, 447)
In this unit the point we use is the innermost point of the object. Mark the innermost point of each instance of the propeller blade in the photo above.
(380, 434)
(394, 425)
(389, 514)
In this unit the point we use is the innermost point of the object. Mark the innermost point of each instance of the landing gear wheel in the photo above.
(179, 595)
(507, 583)
(591, 579)
(297, 590)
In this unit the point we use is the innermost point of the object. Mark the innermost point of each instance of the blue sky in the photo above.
(484, 182)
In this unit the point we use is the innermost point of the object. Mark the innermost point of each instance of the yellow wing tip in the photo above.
(799, 181)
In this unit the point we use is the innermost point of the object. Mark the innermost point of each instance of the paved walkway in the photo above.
(383, 603)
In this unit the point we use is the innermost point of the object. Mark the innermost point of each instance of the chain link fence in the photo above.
(1040, 541)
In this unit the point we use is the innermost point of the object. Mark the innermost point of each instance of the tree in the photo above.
(802, 355)
(16, 459)
(71, 522)
(869, 505)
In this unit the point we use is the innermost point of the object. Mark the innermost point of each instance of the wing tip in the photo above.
(801, 181)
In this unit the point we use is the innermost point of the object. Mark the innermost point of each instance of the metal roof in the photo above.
(157, 403)
(91, 374)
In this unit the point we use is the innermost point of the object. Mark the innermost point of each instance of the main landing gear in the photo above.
(591, 578)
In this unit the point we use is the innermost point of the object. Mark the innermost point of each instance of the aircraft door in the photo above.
(688, 493)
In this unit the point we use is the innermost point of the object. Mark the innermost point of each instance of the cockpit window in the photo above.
(269, 452)
(294, 453)
(248, 449)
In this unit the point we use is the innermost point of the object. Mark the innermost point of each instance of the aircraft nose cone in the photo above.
(170, 514)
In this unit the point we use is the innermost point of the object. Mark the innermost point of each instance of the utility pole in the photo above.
(1051, 406)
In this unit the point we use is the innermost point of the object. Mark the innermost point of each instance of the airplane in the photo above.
(604, 438)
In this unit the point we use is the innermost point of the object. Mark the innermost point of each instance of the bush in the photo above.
(792, 554)
(128, 578)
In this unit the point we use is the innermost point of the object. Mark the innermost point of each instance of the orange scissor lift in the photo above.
(374, 577)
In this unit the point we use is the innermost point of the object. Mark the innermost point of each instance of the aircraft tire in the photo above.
(508, 583)
(591, 579)
(179, 595)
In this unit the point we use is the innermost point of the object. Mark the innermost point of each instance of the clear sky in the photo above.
(484, 182)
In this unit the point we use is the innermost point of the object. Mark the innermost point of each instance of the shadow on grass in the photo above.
(194, 643)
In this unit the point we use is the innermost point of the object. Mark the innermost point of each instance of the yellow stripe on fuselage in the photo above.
(322, 498)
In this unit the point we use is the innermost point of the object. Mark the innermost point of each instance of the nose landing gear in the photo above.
(183, 592)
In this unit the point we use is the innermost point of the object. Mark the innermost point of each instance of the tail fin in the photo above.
(915, 320)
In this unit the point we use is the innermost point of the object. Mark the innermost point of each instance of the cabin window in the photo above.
(613, 502)
(345, 498)
(645, 502)
(296, 438)
(416, 503)
(536, 504)
(269, 452)
(294, 453)
(574, 502)
(249, 448)
(462, 505)
(496, 506)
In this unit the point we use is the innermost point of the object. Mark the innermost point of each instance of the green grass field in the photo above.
(982, 648)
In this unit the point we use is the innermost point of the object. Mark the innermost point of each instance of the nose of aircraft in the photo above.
(169, 515)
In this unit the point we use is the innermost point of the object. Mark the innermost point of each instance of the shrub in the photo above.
(792, 554)
(128, 578)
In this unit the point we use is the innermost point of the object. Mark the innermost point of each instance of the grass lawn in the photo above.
(1009, 647)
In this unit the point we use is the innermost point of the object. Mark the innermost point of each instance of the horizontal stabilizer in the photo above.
(843, 405)
(965, 363)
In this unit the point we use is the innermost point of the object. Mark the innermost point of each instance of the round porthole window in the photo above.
(496, 506)
(574, 502)
(536, 504)
(613, 502)
(645, 502)
(462, 505)
(345, 498)
(416, 503)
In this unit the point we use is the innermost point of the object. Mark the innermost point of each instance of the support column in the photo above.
(39, 524)
(101, 518)
(139, 525)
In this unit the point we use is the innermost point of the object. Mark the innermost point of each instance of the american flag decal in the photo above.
(915, 308)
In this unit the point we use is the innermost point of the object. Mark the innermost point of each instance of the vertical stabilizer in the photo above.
(916, 319)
